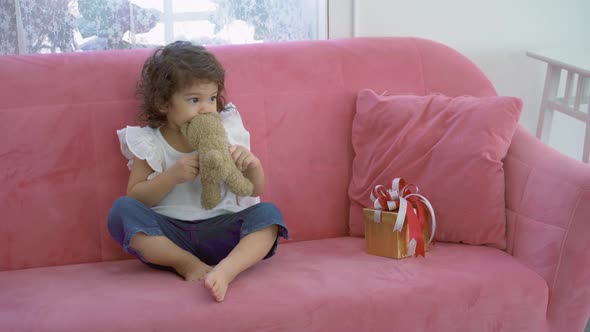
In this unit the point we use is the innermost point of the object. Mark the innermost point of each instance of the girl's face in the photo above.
(185, 104)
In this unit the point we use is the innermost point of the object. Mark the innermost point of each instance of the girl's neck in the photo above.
(175, 139)
(170, 127)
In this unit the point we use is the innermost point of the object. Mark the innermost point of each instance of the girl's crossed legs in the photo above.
(231, 242)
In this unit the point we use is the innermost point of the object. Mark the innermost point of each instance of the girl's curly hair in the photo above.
(170, 69)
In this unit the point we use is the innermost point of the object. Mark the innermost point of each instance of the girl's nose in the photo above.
(204, 110)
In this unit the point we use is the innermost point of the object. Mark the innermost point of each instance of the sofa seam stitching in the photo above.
(532, 220)
(101, 254)
(563, 242)
(421, 67)
(577, 187)
(520, 206)
(85, 103)
(267, 128)
(547, 172)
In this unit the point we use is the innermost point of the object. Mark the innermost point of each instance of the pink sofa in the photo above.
(62, 170)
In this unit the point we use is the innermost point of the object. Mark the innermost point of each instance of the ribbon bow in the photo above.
(405, 198)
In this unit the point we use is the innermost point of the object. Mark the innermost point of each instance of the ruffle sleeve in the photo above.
(232, 122)
(141, 142)
(237, 135)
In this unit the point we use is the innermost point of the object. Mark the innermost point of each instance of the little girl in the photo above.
(161, 220)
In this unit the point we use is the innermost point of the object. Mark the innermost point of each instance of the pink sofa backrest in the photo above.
(60, 160)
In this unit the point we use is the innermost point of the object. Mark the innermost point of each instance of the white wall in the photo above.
(493, 34)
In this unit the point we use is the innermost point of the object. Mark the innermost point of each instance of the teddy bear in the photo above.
(206, 134)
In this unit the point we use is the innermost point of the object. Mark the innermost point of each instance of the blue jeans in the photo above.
(210, 240)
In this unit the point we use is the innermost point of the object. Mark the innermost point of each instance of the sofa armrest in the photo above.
(548, 214)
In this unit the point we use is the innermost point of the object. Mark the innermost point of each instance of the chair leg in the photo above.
(585, 97)
(549, 94)
(586, 154)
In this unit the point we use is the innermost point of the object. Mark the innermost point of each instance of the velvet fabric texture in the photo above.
(322, 285)
(450, 147)
(62, 170)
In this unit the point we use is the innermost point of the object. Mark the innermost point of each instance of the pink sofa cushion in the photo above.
(321, 285)
(451, 147)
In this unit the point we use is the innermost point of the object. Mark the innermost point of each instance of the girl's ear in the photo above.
(165, 108)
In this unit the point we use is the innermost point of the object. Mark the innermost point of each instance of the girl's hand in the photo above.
(244, 159)
(186, 168)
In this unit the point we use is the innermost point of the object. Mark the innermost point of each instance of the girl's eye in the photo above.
(214, 98)
(194, 100)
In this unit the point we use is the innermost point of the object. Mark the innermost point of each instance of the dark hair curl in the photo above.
(170, 69)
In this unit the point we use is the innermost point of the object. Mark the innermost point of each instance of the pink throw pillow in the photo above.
(450, 147)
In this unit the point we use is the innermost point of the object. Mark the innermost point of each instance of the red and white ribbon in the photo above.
(410, 205)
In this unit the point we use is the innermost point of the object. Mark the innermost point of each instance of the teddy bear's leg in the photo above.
(210, 163)
(211, 195)
(212, 173)
(237, 183)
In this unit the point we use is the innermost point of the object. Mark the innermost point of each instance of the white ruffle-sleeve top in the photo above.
(183, 202)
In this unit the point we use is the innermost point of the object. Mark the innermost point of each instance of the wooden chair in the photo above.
(575, 101)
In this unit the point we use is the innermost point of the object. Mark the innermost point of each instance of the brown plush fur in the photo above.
(206, 134)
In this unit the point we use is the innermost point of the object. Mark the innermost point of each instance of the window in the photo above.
(54, 26)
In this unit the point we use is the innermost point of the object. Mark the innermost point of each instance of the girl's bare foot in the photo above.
(217, 282)
(193, 269)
